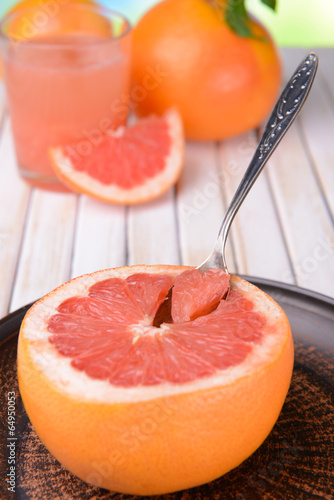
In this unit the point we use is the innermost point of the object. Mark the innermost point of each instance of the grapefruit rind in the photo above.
(152, 188)
(59, 371)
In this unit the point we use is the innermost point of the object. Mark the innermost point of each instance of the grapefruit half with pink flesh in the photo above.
(129, 165)
(145, 410)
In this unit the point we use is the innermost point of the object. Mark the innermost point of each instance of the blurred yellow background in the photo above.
(303, 23)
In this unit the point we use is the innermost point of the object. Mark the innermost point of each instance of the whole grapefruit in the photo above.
(186, 55)
(145, 410)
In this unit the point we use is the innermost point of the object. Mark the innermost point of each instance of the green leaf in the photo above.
(237, 24)
(270, 3)
(237, 18)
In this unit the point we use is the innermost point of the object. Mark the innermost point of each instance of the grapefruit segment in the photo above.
(129, 165)
(149, 290)
(196, 295)
(178, 405)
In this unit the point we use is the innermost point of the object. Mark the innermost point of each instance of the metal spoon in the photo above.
(284, 113)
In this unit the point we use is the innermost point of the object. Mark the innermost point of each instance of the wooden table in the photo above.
(283, 232)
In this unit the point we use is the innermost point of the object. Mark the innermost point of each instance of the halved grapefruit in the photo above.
(145, 410)
(129, 165)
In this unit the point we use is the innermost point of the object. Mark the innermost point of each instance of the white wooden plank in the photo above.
(306, 222)
(100, 237)
(152, 232)
(304, 218)
(317, 124)
(2, 103)
(14, 196)
(258, 241)
(326, 67)
(47, 246)
(200, 205)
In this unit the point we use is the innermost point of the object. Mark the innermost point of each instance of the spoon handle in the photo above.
(287, 108)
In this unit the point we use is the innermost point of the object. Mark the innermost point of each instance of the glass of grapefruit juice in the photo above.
(67, 76)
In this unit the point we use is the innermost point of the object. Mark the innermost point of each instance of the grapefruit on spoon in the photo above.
(145, 410)
(129, 165)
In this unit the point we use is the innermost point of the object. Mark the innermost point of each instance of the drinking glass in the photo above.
(67, 75)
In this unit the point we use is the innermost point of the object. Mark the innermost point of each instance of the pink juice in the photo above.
(63, 89)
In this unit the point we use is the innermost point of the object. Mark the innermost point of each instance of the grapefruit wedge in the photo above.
(145, 410)
(129, 165)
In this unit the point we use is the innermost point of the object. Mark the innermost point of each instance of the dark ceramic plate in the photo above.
(295, 462)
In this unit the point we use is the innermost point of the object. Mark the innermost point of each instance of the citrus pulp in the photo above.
(129, 165)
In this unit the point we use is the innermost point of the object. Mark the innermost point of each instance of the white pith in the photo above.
(57, 368)
(153, 186)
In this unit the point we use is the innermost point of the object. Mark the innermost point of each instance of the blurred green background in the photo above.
(303, 23)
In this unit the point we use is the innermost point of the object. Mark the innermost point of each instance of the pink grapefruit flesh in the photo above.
(129, 165)
(99, 332)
